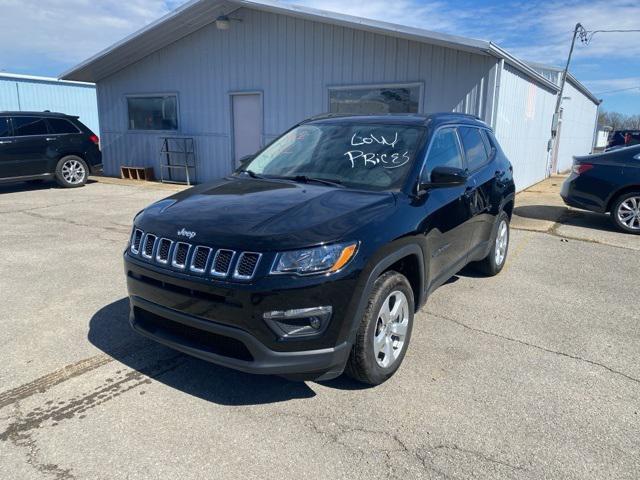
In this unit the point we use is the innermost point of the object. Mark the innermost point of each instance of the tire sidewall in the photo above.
(60, 178)
(614, 212)
(386, 284)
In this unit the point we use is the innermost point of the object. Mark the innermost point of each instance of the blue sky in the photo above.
(46, 37)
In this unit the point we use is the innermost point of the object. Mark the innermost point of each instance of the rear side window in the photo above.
(5, 127)
(490, 143)
(444, 151)
(27, 126)
(60, 125)
(473, 147)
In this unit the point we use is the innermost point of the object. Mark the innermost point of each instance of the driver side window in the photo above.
(444, 151)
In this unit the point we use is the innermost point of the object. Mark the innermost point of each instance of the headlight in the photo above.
(328, 258)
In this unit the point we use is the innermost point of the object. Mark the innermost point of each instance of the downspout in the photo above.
(18, 96)
(595, 129)
(496, 94)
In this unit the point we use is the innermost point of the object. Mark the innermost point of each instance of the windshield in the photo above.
(368, 156)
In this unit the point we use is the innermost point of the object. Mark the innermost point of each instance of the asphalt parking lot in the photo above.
(531, 374)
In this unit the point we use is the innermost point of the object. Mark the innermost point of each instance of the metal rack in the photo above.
(178, 158)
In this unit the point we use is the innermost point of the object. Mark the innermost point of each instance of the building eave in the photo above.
(570, 78)
(196, 14)
(36, 78)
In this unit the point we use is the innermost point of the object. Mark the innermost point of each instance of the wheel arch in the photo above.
(411, 257)
(621, 191)
(71, 154)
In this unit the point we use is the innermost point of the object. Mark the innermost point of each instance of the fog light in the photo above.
(299, 322)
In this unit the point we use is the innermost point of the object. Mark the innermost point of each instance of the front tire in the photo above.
(626, 212)
(494, 262)
(71, 172)
(384, 331)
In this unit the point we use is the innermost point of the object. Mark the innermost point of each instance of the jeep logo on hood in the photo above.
(186, 233)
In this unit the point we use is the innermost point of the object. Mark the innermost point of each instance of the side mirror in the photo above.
(445, 177)
(245, 160)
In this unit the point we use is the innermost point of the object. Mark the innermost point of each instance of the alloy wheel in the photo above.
(391, 329)
(629, 213)
(502, 242)
(73, 172)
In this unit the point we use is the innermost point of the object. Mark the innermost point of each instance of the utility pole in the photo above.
(556, 115)
(565, 72)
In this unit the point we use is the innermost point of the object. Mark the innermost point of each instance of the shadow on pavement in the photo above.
(32, 185)
(109, 330)
(565, 216)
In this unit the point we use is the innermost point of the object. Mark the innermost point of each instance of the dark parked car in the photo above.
(617, 138)
(608, 182)
(36, 146)
(314, 257)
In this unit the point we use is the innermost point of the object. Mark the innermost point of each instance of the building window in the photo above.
(153, 112)
(375, 99)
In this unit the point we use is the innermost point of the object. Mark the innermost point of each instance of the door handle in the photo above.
(4, 142)
(50, 139)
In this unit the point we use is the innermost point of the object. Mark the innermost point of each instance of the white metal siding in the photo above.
(8, 95)
(39, 95)
(293, 62)
(579, 115)
(523, 126)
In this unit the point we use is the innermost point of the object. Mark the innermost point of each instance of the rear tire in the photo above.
(494, 262)
(625, 213)
(384, 331)
(71, 172)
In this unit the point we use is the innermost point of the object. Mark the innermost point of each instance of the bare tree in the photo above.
(633, 122)
(618, 121)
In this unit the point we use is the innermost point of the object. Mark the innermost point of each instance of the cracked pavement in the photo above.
(532, 374)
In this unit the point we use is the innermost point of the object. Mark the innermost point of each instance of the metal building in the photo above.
(578, 118)
(36, 94)
(235, 74)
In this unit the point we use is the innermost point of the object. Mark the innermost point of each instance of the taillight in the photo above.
(580, 168)
(95, 139)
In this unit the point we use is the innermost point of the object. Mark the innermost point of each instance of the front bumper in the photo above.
(222, 322)
(211, 342)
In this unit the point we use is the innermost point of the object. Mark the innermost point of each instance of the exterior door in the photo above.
(482, 178)
(26, 154)
(6, 139)
(246, 113)
(449, 231)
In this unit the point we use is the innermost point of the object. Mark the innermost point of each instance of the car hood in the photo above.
(264, 214)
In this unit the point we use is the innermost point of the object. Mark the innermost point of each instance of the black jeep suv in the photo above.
(314, 256)
(36, 146)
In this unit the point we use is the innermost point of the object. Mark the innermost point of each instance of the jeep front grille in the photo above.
(148, 245)
(164, 247)
(136, 239)
(180, 253)
(219, 263)
(200, 259)
(222, 263)
(246, 266)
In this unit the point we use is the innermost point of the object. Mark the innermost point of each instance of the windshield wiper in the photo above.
(251, 173)
(306, 179)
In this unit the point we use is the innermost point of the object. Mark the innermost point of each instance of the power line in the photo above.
(587, 35)
(618, 90)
